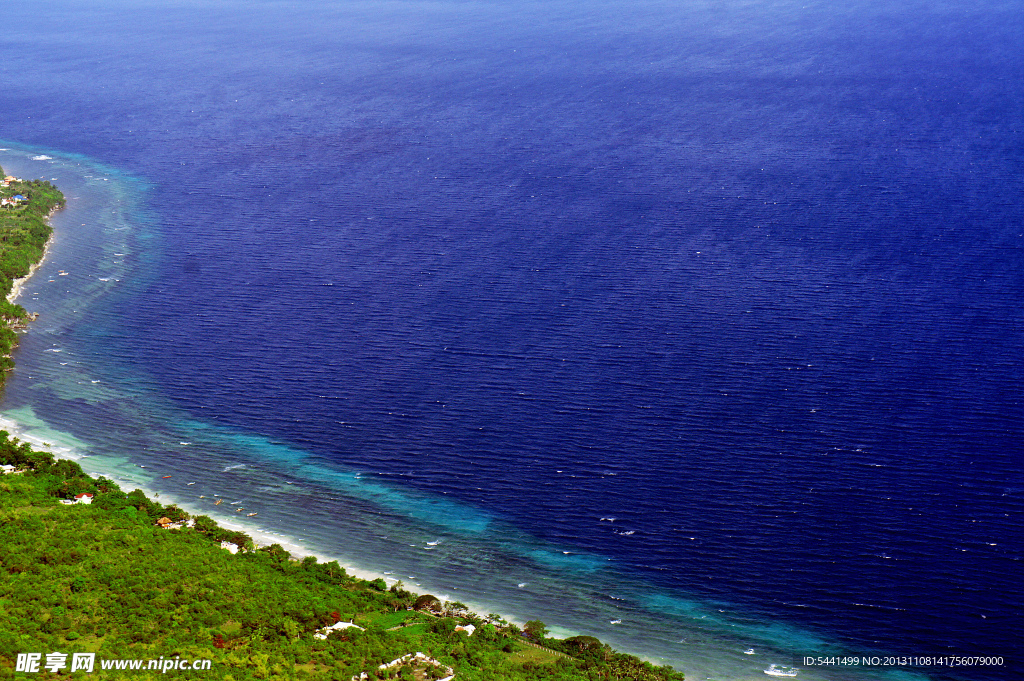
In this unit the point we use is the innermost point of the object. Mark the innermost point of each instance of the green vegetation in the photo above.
(105, 578)
(23, 236)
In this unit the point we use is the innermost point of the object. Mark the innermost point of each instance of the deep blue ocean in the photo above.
(696, 326)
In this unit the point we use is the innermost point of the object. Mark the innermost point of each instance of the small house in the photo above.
(84, 498)
(322, 634)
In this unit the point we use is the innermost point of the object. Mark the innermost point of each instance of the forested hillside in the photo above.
(106, 578)
(24, 207)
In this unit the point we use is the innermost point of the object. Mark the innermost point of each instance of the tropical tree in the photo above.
(535, 629)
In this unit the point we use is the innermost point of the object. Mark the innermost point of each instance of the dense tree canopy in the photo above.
(23, 236)
(104, 578)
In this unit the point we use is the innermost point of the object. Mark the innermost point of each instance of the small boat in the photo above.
(748, 651)
(249, 515)
(615, 622)
(166, 476)
(779, 670)
(190, 483)
(219, 501)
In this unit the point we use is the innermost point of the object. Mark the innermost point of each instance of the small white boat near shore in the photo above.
(779, 670)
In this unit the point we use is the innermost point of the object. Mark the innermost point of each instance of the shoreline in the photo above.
(297, 597)
(17, 284)
(262, 536)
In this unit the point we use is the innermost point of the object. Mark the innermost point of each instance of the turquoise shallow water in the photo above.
(78, 391)
(699, 318)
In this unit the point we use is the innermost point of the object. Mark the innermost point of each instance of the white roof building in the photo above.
(337, 626)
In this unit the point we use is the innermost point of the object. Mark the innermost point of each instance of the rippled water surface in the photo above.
(692, 326)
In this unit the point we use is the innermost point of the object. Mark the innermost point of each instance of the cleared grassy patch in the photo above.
(534, 655)
(390, 619)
